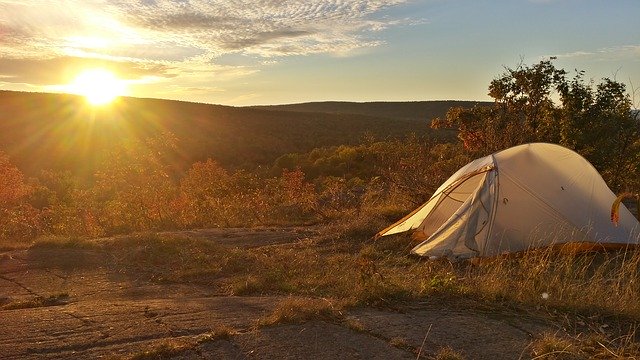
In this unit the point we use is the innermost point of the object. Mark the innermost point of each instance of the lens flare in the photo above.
(98, 86)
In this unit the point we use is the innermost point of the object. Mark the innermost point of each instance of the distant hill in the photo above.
(61, 132)
(409, 110)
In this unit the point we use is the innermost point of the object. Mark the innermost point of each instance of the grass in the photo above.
(328, 274)
(360, 271)
(551, 346)
(164, 350)
(170, 348)
(295, 310)
(63, 242)
(355, 325)
(447, 353)
(38, 301)
(222, 332)
(590, 283)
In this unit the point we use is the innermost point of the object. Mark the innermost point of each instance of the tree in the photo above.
(205, 190)
(12, 185)
(134, 186)
(540, 104)
(18, 219)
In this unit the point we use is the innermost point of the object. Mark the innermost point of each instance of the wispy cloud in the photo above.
(608, 53)
(168, 37)
(59, 70)
(263, 27)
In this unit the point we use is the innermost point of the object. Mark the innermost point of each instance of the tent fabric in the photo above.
(528, 196)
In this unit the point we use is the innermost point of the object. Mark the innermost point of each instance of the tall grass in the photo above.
(595, 282)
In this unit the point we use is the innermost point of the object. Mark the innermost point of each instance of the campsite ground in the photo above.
(104, 299)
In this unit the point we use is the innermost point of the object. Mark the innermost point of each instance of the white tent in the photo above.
(528, 196)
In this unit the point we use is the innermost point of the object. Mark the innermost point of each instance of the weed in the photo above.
(446, 282)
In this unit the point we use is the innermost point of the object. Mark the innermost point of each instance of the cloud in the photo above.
(610, 53)
(61, 70)
(213, 27)
(263, 27)
(44, 42)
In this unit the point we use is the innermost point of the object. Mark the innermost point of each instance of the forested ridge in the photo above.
(61, 132)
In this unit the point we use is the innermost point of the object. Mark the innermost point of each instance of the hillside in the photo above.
(408, 110)
(41, 131)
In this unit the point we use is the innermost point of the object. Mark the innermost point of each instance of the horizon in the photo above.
(254, 105)
(297, 52)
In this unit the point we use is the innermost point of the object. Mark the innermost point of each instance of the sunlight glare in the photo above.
(98, 86)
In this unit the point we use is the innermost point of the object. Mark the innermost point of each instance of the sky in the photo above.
(241, 52)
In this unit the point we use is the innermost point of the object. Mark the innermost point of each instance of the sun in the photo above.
(98, 86)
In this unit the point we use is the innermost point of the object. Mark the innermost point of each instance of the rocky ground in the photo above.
(87, 308)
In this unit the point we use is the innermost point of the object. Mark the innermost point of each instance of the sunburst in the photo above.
(98, 86)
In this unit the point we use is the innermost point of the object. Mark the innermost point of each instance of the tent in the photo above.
(528, 196)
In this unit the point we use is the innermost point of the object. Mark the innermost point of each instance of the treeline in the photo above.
(143, 183)
(408, 110)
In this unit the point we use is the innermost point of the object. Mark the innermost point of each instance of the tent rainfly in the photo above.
(528, 196)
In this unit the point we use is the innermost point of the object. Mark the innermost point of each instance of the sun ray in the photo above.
(98, 86)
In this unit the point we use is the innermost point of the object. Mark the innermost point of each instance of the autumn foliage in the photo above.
(149, 185)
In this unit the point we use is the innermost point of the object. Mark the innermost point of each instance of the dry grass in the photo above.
(447, 353)
(399, 342)
(600, 283)
(63, 242)
(380, 272)
(355, 325)
(222, 332)
(331, 273)
(294, 310)
(9, 245)
(552, 346)
(171, 348)
(365, 272)
(164, 350)
(39, 301)
(592, 346)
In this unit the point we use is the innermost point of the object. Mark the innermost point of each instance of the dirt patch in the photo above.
(110, 314)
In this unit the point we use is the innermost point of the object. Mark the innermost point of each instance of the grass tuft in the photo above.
(554, 347)
(221, 332)
(355, 325)
(399, 342)
(294, 310)
(592, 346)
(38, 301)
(164, 350)
(447, 353)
